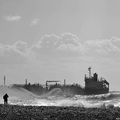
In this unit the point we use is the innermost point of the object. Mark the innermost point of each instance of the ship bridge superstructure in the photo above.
(95, 85)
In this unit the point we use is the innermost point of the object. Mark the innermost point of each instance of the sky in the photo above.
(59, 39)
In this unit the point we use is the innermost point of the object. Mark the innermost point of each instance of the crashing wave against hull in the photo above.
(93, 86)
(53, 99)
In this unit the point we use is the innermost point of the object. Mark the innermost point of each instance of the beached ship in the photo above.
(93, 85)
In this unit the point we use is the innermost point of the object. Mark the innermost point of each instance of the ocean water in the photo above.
(76, 100)
(56, 97)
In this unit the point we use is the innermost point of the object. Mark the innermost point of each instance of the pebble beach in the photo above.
(16, 112)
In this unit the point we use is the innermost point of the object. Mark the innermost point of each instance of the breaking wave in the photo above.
(56, 97)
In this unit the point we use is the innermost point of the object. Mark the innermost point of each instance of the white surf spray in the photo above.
(20, 96)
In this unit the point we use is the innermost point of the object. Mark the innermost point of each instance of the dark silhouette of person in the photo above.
(5, 97)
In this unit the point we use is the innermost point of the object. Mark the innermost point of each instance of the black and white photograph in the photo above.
(59, 59)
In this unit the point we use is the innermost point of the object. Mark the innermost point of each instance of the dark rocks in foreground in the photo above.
(14, 112)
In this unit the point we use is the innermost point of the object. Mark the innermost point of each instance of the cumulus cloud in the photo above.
(58, 45)
(12, 18)
(70, 44)
(52, 46)
(21, 46)
(13, 54)
(52, 41)
(103, 46)
(49, 41)
(35, 21)
(69, 38)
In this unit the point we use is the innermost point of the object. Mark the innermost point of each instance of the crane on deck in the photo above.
(51, 81)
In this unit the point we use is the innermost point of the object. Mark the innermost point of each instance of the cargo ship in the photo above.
(93, 86)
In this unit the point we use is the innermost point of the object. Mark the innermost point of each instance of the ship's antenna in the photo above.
(26, 82)
(64, 82)
(4, 79)
(89, 69)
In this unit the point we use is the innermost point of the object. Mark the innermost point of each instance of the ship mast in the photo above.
(4, 80)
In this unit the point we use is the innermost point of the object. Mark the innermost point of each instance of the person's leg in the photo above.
(5, 101)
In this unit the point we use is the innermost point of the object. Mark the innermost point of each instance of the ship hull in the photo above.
(92, 91)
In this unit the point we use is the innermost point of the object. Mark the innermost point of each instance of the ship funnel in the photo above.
(89, 69)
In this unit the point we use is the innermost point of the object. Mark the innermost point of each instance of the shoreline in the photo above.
(15, 112)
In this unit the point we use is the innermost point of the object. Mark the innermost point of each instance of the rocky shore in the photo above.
(15, 112)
